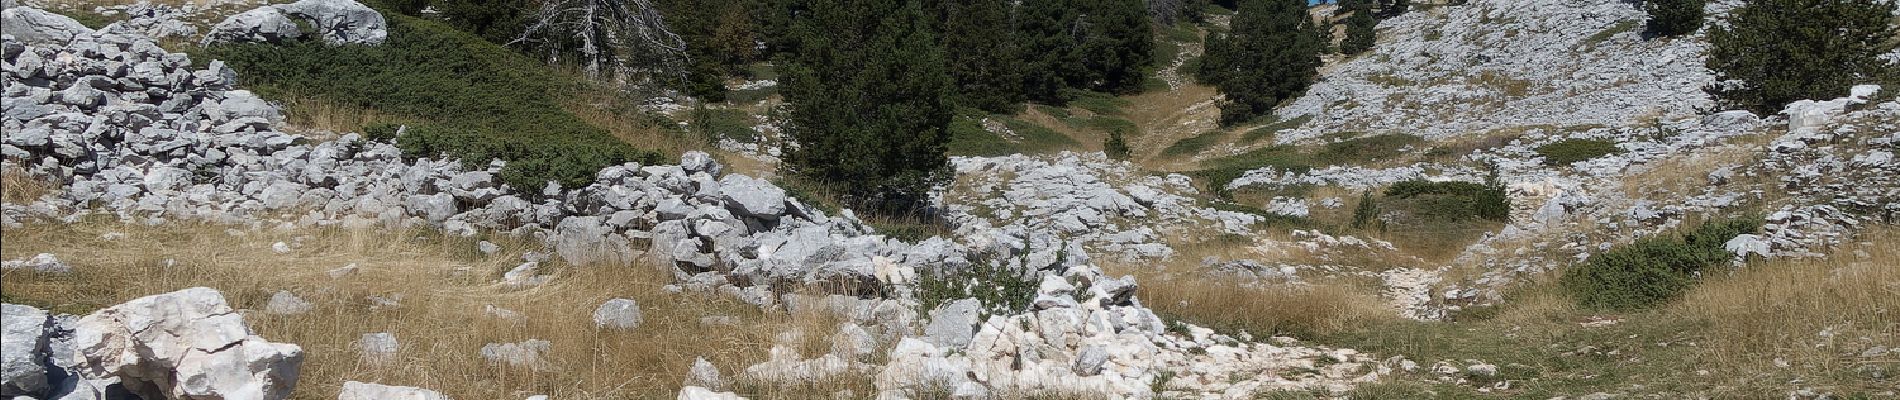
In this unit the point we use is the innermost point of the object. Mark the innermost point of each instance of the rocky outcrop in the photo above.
(337, 22)
(341, 21)
(1490, 64)
(182, 345)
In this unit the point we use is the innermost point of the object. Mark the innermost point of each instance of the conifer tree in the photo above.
(1360, 27)
(1271, 55)
(1100, 45)
(1774, 52)
(981, 53)
(1674, 17)
(869, 94)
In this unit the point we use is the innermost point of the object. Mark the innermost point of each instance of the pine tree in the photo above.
(981, 53)
(1393, 8)
(1118, 45)
(1049, 43)
(1774, 52)
(1674, 17)
(1271, 55)
(1366, 213)
(1100, 45)
(1360, 27)
(869, 94)
(1214, 56)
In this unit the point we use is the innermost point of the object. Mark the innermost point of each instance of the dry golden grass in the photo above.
(18, 187)
(445, 285)
(1817, 314)
(309, 115)
(1229, 305)
(1182, 289)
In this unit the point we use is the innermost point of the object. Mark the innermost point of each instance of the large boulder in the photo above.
(353, 390)
(341, 21)
(32, 25)
(22, 344)
(751, 197)
(182, 345)
(264, 24)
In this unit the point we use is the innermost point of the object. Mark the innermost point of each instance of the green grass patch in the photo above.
(723, 123)
(968, 138)
(1612, 31)
(1654, 270)
(1366, 149)
(1571, 151)
(1274, 127)
(481, 101)
(1037, 138)
(1097, 102)
(1193, 144)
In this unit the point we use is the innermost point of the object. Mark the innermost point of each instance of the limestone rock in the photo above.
(32, 25)
(22, 346)
(341, 21)
(353, 390)
(182, 345)
(617, 314)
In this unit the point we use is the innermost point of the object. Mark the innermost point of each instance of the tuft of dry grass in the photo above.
(445, 285)
(19, 187)
(309, 115)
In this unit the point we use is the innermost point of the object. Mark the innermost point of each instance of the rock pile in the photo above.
(182, 345)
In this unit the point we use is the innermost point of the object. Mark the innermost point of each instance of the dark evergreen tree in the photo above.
(1047, 31)
(1361, 27)
(981, 52)
(1271, 55)
(1117, 47)
(1393, 8)
(869, 94)
(720, 38)
(1100, 45)
(1214, 57)
(1774, 52)
(1674, 17)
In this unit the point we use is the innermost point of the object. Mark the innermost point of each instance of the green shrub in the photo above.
(1454, 201)
(1115, 146)
(1571, 151)
(1652, 270)
(1674, 17)
(1001, 289)
(480, 101)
